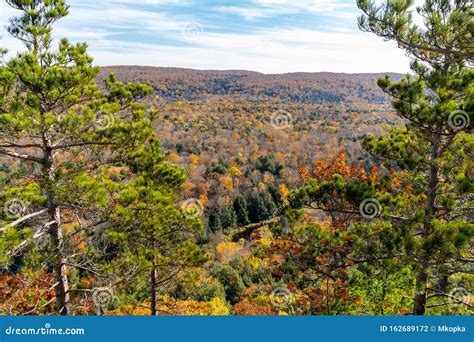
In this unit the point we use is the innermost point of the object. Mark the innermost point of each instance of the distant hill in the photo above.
(245, 86)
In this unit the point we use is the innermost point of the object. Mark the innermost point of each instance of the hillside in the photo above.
(192, 85)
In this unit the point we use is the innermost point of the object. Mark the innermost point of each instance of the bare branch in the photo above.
(20, 156)
(23, 219)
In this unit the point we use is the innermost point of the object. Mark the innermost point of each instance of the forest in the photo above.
(131, 190)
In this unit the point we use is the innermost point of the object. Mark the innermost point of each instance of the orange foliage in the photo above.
(20, 294)
(247, 308)
(33, 294)
(304, 173)
(324, 170)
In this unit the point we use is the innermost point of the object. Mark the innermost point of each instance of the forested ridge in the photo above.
(175, 84)
(163, 191)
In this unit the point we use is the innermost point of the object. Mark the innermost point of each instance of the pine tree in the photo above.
(228, 217)
(214, 222)
(257, 207)
(56, 122)
(240, 207)
(436, 147)
(156, 237)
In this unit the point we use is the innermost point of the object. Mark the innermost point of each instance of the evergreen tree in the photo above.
(240, 207)
(269, 164)
(156, 237)
(257, 207)
(68, 134)
(416, 215)
(271, 208)
(214, 222)
(228, 217)
(435, 149)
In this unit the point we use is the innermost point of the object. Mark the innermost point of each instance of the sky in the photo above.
(269, 36)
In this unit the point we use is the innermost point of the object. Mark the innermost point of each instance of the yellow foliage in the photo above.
(203, 199)
(227, 251)
(172, 307)
(268, 178)
(265, 242)
(173, 158)
(235, 171)
(187, 187)
(227, 183)
(283, 191)
(254, 262)
(115, 171)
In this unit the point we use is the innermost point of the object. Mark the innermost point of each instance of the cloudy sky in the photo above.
(270, 36)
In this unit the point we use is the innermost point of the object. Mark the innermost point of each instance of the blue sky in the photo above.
(270, 36)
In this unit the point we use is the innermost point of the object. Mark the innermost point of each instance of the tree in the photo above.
(257, 207)
(228, 216)
(268, 164)
(155, 236)
(214, 222)
(230, 278)
(448, 33)
(56, 122)
(240, 207)
(435, 149)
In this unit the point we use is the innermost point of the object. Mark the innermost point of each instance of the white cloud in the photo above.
(269, 8)
(289, 49)
(250, 13)
(309, 5)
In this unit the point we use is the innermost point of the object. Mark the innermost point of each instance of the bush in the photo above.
(230, 278)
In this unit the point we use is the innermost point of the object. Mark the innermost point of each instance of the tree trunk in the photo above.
(419, 305)
(153, 287)
(57, 241)
(60, 270)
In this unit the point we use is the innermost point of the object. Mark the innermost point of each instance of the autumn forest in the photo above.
(133, 190)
